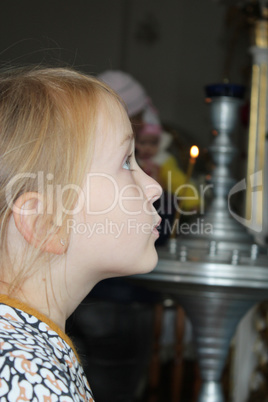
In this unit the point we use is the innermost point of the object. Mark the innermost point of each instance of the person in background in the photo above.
(152, 145)
(132, 93)
(152, 153)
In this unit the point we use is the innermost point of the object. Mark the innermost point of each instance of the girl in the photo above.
(75, 208)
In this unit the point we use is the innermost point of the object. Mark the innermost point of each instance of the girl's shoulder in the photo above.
(26, 337)
(35, 361)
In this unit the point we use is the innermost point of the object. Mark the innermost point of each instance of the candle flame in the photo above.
(194, 151)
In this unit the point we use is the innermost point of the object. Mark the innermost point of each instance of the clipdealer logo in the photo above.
(256, 185)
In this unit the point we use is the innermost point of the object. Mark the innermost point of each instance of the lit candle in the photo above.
(194, 152)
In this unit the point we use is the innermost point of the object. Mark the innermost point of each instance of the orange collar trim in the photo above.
(41, 317)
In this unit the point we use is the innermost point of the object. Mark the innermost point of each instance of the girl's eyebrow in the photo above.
(128, 137)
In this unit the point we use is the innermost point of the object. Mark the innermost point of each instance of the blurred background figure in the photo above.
(153, 155)
(131, 91)
(152, 146)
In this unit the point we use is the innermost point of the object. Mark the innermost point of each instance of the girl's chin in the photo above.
(150, 266)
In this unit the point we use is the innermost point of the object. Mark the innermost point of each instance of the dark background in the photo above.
(173, 47)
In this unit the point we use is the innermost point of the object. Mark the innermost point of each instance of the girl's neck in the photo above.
(39, 302)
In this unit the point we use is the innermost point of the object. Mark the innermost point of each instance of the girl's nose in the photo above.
(152, 189)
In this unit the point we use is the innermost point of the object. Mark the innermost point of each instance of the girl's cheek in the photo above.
(101, 194)
(131, 200)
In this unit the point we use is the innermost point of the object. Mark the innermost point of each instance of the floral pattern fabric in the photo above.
(36, 364)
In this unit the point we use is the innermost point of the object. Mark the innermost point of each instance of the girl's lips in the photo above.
(159, 223)
(155, 231)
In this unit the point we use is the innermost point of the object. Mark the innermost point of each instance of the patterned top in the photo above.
(37, 360)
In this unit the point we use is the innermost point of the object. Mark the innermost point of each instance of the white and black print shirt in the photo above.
(36, 363)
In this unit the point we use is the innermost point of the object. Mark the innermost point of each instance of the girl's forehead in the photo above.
(113, 119)
(113, 133)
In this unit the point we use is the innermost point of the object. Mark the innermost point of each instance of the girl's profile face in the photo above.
(115, 232)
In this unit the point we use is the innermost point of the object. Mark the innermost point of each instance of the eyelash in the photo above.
(127, 162)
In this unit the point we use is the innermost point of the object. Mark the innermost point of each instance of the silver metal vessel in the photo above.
(218, 275)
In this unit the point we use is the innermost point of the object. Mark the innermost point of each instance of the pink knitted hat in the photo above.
(130, 90)
(151, 121)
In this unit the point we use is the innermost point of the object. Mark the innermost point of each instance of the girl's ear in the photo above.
(34, 225)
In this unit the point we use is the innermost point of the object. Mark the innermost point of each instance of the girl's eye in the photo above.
(126, 164)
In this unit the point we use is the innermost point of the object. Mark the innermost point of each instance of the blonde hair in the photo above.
(47, 124)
